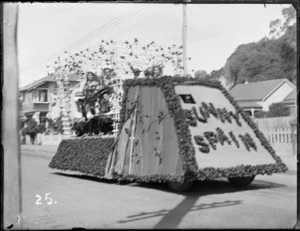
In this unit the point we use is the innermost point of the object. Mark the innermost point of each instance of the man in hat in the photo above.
(104, 104)
(104, 107)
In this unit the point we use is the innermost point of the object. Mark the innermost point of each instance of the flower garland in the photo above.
(152, 178)
(189, 117)
(238, 171)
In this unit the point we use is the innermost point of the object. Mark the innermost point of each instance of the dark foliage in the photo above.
(278, 110)
(270, 58)
(86, 155)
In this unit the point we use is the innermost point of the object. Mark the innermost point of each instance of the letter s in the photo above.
(200, 141)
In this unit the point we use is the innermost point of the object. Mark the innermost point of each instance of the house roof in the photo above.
(256, 90)
(49, 78)
(249, 105)
(291, 97)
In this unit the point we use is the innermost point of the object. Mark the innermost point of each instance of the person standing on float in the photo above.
(90, 90)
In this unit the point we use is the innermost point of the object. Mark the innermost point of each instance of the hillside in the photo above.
(270, 58)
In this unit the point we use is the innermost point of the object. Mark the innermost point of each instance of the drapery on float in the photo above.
(174, 130)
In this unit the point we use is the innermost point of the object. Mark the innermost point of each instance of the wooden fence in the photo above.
(281, 135)
(42, 139)
(52, 139)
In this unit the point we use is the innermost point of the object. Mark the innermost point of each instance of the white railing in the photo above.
(116, 119)
(281, 139)
(278, 135)
(52, 139)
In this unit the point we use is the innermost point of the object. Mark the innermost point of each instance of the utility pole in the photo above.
(184, 27)
(11, 158)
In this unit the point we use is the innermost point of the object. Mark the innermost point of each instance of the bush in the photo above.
(31, 129)
(41, 128)
(278, 110)
(56, 126)
(260, 114)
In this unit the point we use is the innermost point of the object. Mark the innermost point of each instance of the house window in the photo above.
(27, 97)
(43, 95)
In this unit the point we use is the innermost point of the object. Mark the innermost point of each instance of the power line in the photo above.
(105, 30)
(106, 27)
(149, 18)
(118, 18)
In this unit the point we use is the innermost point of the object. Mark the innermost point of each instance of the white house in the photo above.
(260, 95)
(40, 97)
(291, 102)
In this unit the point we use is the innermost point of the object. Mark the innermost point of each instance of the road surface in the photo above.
(52, 200)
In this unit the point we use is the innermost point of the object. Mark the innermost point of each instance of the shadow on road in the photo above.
(172, 218)
(214, 186)
(202, 188)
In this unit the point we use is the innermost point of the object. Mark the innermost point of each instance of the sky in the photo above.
(214, 31)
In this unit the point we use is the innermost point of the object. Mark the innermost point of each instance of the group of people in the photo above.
(97, 98)
(95, 102)
(151, 72)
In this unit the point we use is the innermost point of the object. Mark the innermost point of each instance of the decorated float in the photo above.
(174, 130)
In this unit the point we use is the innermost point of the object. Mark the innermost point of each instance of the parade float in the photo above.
(174, 130)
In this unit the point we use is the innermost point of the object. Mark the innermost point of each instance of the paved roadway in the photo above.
(78, 201)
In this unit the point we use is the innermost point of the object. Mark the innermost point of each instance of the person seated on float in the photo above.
(90, 91)
(156, 71)
(104, 102)
(104, 110)
(148, 72)
(107, 75)
(136, 73)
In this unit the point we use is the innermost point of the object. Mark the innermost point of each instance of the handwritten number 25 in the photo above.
(47, 199)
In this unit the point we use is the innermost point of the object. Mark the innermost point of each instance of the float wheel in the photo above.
(241, 181)
(180, 186)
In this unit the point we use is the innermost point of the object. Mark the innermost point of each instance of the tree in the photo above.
(57, 125)
(278, 110)
(270, 58)
(41, 128)
(260, 114)
(31, 129)
(280, 27)
(201, 74)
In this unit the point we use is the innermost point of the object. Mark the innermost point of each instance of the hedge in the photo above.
(86, 155)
